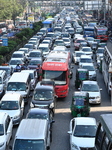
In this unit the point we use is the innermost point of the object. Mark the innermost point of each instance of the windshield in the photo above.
(8, 71)
(58, 76)
(90, 68)
(1, 129)
(85, 131)
(44, 49)
(86, 49)
(85, 60)
(38, 116)
(89, 32)
(43, 94)
(36, 62)
(15, 62)
(17, 56)
(46, 25)
(9, 105)
(21, 144)
(90, 87)
(102, 32)
(78, 54)
(34, 54)
(79, 41)
(0, 80)
(29, 46)
(66, 40)
(100, 50)
(16, 86)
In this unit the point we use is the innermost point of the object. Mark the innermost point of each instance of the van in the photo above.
(6, 128)
(13, 105)
(32, 134)
(45, 49)
(21, 83)
(3, 78)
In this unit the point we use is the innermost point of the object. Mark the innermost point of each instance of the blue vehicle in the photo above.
(88, 31)
(49, 24)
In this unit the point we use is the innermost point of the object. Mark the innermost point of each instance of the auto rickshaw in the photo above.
(80, 104)
(81, 75)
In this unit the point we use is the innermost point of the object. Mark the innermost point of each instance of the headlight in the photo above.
(1, 144)
(51, 105)
(17, 116)
(97, 96)
(75, 147)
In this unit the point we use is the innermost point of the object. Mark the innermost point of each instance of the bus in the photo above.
(101, 32)
(103, 140)
(3, 28)
(107, 69)
(88, 31)
(49, 24)
(57, 69)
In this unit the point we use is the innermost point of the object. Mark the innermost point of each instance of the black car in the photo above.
(44, 97)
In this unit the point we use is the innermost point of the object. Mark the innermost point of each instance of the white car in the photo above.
(14, 61)
(91, 69)
(85, 59)
(67, 42)
(82, 133)
(93, 89)
(13, 105)
(87, 50)
(6, 127)
(77, 56)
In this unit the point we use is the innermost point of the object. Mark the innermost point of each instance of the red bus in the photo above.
(3, 28)
(57, 68)
(101, 32)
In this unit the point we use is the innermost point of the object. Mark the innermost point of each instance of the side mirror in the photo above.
(69, 132)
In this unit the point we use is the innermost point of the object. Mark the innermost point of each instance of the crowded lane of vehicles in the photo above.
(44, 88)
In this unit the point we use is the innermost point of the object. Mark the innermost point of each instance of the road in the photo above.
(60, 137)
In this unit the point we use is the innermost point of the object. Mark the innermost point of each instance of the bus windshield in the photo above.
(58, 76)
(101, 32)
(26, 144)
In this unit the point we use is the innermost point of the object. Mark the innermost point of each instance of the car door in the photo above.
(8, 128)
(21, 106)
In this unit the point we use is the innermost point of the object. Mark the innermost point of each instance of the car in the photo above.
(19, 54)
(85, 59)
(8, 69)
(82, 133)
(51, 36)
(38, 37)
(33, 76)
(77, 56)
(45, 49)
(13, 105)
(41, 34)
(6, 127)
(99, 52)
(57, 35)
(77, 42)
(94, 46)
(48, 42)
(59, 42)
(93, 89)
(35, 54)
(30, 46)
(87, 50)
(44, 97)
(89, 40)
(65, 35)
(91, 69)
(39, 113)
(71, 31)
(67, 42)
(58, 29)
(33, 42)
(44, 30)
(79, 30)
(25, 50)
(33, 63)
(14, 61)
(102, 44)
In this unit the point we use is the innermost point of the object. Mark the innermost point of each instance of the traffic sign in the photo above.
(5, 41)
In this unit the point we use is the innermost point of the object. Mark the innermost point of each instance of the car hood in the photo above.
(12, 113)
(86, 142)
(92, 73)
(93, 94)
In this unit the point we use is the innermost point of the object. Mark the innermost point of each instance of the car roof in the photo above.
(89, 82)
(85, 121)
(38, 110)
(85, 56)
(87, 64)
(11, 97)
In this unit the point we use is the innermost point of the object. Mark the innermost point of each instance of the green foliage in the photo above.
(4, 50)
(11, 45)
(37, 26)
